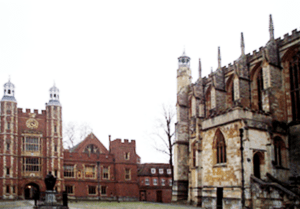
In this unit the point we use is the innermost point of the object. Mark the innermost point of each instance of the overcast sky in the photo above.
(115, 62)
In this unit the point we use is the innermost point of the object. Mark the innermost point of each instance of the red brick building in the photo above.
(155, 182)
(31, 146)
(93, 172)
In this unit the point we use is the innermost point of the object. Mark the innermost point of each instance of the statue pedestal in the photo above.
(50, 197)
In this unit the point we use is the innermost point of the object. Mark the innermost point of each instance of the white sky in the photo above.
(115, 62)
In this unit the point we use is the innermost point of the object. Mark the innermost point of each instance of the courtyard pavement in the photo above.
(28, 204)
(19, 204)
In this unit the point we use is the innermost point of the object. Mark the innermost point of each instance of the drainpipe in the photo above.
(242, 166)
(98, 164)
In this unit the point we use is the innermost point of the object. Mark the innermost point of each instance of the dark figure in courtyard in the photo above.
(35, 196)
(50, 181)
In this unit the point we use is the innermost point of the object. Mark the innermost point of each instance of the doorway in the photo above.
(219, 198)
(30, 190)
(256, 165)
(159, 196)
(143, 195)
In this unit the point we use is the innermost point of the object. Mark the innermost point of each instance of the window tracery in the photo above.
(91, 148)
(279, 152)
(294, 65)
(260, 87)
(220, 148)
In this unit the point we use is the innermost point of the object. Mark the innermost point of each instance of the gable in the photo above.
(92, 143)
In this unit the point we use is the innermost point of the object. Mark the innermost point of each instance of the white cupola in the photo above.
(183, 60)
(9, 92)
(54, 96)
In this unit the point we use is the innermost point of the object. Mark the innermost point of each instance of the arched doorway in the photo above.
(256, 165)
(31, 189)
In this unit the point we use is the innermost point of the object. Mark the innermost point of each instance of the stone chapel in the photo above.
(237, 142)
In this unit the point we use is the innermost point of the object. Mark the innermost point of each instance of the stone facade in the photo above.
(237, 130)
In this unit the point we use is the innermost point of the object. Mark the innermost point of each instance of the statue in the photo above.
(50, 181)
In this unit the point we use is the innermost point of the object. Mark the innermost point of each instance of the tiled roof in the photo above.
(145, 169)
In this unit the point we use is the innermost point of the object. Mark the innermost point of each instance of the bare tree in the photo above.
(69, 134)
(74, 133)
(84, 130)
(165, 133)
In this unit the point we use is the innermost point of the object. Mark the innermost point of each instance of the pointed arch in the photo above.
(292, 51)
(258, 162)
(207, 100)
(229, 91)
(294, 69)
(219, 148)
(256, 77)
(260, 88)
(279, 152)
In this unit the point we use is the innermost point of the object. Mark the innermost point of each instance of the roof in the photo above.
(54, 102)
(90, 139)
(145, 169)
(54, 88)
(9, 98)
(9, 84)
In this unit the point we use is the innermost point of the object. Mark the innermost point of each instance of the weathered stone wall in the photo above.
(221, 174)
(226, 175)
(183, 77)
(295, 150)
(244, 92)
(181, 167)
(220, 100)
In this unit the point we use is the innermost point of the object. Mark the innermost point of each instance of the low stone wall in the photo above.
(272, 195)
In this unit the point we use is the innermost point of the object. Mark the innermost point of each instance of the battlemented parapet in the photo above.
(37, 113)
(124, 151)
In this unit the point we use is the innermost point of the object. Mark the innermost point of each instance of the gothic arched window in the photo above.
(91, 148)
(220, 147)
(230, 92)
(207, 101)
(279, 151)
(260, 87)
(295, 85)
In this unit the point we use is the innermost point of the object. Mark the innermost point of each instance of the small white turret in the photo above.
(183, 60)
(9, 92)
(54, 96)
